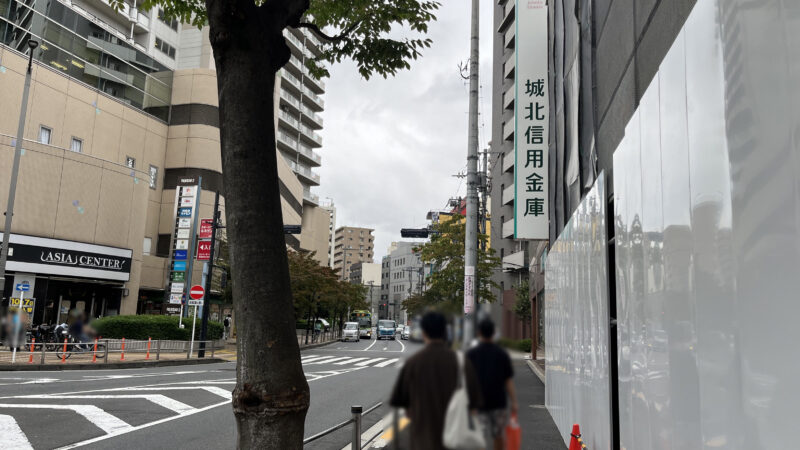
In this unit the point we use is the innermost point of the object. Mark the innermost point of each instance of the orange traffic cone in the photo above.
(575, 442)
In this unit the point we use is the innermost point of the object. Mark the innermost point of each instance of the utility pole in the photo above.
(12, 191)
(470, 246)
(207, 305)
(484, 189)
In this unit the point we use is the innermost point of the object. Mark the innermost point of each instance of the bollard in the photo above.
(356, 411)
(213, 346)
(158, 349)
(43, 350)
(33, 341)
(148, 349)
(64, 353)
(94, 353)
(122, 353)
(188, 350)
(105, 354)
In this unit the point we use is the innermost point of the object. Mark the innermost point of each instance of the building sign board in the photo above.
(185, 212)
(68, 258)
(182, 233)
(184, 223)
(204, 250)
(28, 304)
(531, 122)
(205, 228)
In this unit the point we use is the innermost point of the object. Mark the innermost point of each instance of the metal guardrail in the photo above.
(99, 350)
(357, 413)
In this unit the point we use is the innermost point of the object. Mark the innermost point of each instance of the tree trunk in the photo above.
(271, 395)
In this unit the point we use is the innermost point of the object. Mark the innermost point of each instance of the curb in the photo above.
(101, 366)
(536, 370)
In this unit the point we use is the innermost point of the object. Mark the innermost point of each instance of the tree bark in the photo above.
(271, 395)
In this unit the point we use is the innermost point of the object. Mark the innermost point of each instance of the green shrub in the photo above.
(522, 345)
(153, 326)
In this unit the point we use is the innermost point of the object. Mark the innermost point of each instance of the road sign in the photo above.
(197, 292)
(24, 286)
(204, 250)
(205, 228)
(195, 303)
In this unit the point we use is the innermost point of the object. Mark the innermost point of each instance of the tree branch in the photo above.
(315, 29)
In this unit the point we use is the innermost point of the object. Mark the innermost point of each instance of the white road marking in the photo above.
(370, 345)
(158, 399)
(385, 348)
(316, 358)
(95, 415)
(349, 361)
(369, 361)
(303, 358)
(213, 389)
(386, 363)
(401, 345)
(12, 436)
(147, 425)
(329, 373)
(328, 361)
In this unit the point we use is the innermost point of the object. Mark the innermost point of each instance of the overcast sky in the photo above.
(390, 147)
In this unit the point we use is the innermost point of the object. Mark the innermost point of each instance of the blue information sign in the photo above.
(184, 212)
(179, 254)
(24, 286)
(179, 266)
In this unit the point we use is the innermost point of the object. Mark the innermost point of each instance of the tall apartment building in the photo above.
(406, 277)
(368, 274)
(122, 113)
(383, 306)
(352, 245)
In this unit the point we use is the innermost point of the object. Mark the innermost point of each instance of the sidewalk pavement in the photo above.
(539, 432)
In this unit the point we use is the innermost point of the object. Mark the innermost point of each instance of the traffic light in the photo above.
(414, 232)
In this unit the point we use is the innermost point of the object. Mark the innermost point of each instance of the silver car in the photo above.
(350, 331)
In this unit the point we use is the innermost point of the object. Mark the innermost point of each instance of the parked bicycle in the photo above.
(74, 345)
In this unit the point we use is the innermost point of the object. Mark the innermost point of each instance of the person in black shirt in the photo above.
(493, 367)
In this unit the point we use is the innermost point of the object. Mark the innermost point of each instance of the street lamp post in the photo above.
(12, 191)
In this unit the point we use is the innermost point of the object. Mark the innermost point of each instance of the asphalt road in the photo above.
(185, 407)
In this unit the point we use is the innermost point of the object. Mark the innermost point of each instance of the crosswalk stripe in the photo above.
(12, 436)
(349, 361)
(100, 418)
(369, 361)
(322, 360)
(303, 358)
(158, 399)
(316, 358)
(212, 389)
(328, 361)
(386, 363)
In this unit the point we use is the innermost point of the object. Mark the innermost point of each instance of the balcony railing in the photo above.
(301, 148)
(508, 229)
(508, 195)
(304, 171)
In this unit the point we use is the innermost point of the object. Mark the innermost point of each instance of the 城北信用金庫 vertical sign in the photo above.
(531, 119)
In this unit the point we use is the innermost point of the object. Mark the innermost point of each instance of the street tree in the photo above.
(522, 304)
(271, 395)
(445, 253)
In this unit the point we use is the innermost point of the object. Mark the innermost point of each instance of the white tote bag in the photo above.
(461, 430)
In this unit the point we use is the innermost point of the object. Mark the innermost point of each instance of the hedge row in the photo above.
(522, 345)
(154, 327)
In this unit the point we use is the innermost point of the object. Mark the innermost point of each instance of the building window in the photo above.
(172, 23)
(153, 176)
(44, 134)
(146, 246)
(76, 145)
(130, 162)
(165, 48)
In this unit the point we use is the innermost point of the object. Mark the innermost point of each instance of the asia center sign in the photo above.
(82, 260)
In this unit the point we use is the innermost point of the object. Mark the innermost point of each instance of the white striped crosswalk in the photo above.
(13, 433)
(309, 360)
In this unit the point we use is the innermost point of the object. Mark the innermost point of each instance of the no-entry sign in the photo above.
(197, 292)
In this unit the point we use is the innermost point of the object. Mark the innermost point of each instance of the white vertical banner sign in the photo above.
(531, 119)
(469, 286)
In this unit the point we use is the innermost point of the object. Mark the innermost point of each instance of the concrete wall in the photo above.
(315, 235)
